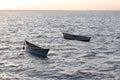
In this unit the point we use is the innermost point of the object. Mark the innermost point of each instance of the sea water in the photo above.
(98, 59)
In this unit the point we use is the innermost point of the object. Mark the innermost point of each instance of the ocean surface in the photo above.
(98, 59)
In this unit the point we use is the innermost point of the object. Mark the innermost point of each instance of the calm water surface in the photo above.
(98, 59)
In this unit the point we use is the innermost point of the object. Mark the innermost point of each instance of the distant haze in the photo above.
(59, 4)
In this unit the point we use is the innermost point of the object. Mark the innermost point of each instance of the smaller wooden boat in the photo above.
(35, 50)
(76, 37)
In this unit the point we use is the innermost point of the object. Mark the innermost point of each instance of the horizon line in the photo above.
(53, 10)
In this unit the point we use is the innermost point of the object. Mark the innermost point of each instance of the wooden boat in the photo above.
(76, 37)
(35, 50)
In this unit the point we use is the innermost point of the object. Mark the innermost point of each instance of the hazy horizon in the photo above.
(53, 10)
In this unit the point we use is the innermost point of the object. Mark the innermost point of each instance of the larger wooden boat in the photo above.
(35, 50)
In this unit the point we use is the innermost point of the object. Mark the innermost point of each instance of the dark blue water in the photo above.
(98, 59)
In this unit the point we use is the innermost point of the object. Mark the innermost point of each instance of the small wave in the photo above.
(112, 62)
(87, 75)
(9, 76)
(90, 55)
(107, 69)
(4, 48)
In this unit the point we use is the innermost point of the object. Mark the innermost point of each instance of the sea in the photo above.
(98, 59)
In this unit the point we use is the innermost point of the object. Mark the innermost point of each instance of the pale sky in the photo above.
(59, 4)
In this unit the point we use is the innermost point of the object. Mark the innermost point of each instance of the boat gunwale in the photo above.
(35, 47)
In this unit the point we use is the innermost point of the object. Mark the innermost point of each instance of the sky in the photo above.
(59, 4)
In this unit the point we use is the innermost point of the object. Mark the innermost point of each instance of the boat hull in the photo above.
(76, 37)
(36, 51)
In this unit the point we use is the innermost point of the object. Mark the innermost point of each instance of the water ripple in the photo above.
(98, 59)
